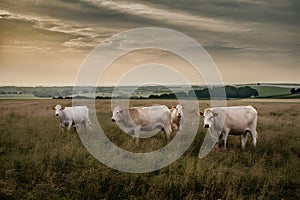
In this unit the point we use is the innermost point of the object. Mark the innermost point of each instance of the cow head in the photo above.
(179, 109)
(208, 117)
(117, 114)
(58, 109)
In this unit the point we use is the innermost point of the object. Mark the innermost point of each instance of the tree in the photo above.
(204, 93)
(231, 91)
(293, 90)
(167, 96)
(246, 92)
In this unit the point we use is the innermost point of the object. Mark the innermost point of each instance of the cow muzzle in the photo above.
(113, 120)
(56, 114)
(206, 125)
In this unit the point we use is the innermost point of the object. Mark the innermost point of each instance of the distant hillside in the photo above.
(154, 92)
(276, 91)
(266, 91)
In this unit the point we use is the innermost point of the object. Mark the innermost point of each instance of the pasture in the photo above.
(39, 161)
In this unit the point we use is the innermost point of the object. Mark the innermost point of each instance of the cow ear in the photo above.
(53, 108)
(173, 107)
(216, 114)
(200, 113)
(62, 108)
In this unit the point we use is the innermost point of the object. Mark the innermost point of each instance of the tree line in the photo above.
(205, 93)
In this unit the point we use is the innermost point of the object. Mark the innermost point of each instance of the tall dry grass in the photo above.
(38, 161)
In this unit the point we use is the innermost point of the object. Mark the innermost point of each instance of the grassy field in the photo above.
(18, 96)
(38, 161)
(276, 92)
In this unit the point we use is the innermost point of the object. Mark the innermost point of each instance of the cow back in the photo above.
(237, 118)
(76, 113)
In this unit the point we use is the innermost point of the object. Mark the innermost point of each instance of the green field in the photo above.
(274, 92)
(39, 161)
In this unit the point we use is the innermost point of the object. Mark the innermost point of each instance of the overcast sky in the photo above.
(45, 42)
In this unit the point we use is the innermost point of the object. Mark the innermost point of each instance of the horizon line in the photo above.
(168, 85)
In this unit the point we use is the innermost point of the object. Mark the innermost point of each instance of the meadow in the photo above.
(39, 161)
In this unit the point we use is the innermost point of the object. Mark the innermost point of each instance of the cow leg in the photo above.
(167, 135)
(86, 126)
(62, 127)
(244, 140)
(174, 127)
(225, 136)
(89, 122)
(254, 137)
(69, 125)
(85, 121)
(164, 133)
(167, 129)
(137, 134)
(74, 128)
(180, 124)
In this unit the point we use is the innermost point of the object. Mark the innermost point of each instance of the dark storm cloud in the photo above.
(254, 10)
(225, 24)
(246, 25)
(270, 23)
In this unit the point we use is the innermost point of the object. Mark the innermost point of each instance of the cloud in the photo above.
(83, 36)
(237, 33)
(231, 25)
(221, 25)
(28, 47)
(81, 43)
(175, 17)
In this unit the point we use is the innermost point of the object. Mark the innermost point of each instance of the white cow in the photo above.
(72, 116)
(176, 118)
(235, 120)
(136, 119)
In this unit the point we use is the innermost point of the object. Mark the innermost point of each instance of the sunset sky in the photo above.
(250, 41)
